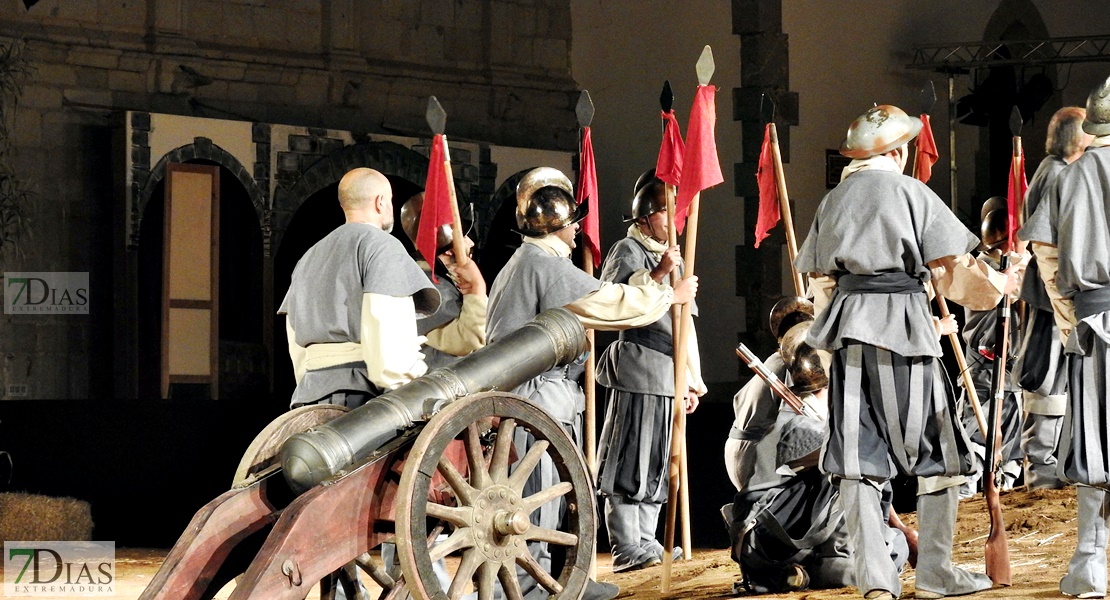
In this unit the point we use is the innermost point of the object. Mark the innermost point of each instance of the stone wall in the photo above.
(501, 69)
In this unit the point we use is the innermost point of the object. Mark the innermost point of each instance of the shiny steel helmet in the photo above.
(807, 374)
(993, 229)
(545, 202)
(650, 198)
(788, 312)
(1097, 121)
(410, 223)
(992, 203)
(878, 131)
(792, 340)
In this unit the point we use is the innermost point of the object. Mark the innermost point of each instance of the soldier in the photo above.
(638, 370)
(352, 323)
(539, 276)
(1069, 234)
(1041, 364)
(979, 336)
(787, 525)
(459, 326)
(756, 407)
(890, 406)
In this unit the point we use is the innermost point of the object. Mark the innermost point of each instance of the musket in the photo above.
(784, 197)
(998, 553)
(772, 380)
(678, 324)
(585, 113)
(704, 68)
(437, 121)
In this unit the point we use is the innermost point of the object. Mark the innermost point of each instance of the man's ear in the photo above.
(380, 204)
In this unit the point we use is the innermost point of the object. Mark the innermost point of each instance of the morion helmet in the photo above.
(807, 373)
(878, 131)
(545, 202)
(410, 223)
(650, 196)
(992, 203)
(993, 229)
(787, 313)
(1097, 121)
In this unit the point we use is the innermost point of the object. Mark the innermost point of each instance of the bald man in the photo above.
(353, 301)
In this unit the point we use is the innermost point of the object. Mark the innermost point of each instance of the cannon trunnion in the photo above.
(431, 466)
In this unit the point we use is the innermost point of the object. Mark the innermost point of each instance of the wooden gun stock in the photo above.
(774, 382)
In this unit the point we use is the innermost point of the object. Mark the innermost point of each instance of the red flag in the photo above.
(437, 203)
(768, 190)
(927, 153)
(701, 168)
(668, 167)
(587, 192)
(1015, 199)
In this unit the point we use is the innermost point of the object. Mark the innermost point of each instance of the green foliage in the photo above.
(15, 193)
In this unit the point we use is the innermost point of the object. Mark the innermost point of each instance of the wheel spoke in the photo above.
(499, 462)
(542, 497)
(528, 464)
(458, 540)
(507, 575)
(463, 491)
(479, 472)
(469, 563)
(538, 573)
(487, 575)
(554, 536)
(454, 515)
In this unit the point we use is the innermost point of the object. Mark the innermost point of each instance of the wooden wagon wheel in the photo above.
(491, 515)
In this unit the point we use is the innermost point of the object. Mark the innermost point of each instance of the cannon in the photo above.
(430, 466)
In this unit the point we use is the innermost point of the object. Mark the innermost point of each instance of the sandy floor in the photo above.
(1040, 525)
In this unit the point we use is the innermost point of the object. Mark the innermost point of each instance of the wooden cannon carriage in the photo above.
(434, 456)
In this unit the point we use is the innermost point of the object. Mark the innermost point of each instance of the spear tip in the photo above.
(928, 97)
(666, 97)
(767, 107)
(705, 66)
(436, 116)
(585, 109)
(1015, 122)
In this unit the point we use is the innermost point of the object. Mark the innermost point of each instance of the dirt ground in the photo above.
(1040, 525)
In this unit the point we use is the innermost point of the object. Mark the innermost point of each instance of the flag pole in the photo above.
(784, 204)
(585, 113)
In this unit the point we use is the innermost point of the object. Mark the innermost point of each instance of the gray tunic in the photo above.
(324, 301)
(530, 283)
(1079, 205)
(878, 222)
(1032, 288)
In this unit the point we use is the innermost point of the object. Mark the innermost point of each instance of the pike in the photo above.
(585, 113)
(666, 105)
(996, 553)
(704, 68)
(783, 195)
(437, 121)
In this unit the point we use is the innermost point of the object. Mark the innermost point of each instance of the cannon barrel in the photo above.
(554, 338)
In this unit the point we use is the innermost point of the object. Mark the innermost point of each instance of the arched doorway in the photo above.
(243, 362)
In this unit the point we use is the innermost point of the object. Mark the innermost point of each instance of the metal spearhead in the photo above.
(585, 109)
(928, 96)
(766, 108)
(436, 116)
(705, 66)
(1015, 122)
(666, 97)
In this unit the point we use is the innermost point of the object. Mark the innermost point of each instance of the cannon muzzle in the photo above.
(552, 339)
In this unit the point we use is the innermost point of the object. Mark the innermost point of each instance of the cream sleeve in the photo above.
(1063, 309)
(694, 380)
(616, 306)
(390, 345)
(968, 282)
(466, 333)
(296, 352)
(821, 287)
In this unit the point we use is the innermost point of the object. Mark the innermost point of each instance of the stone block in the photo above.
(217, 90)
(764, 60)
(28, 127)
(312, 90)
(240, 91)
(263, 74)
(226, 70)
(41, 97)
(441, 13)
(756, 16)
(137, 64)
(127, 81)
(54, 126)
(404, 11)
(289, 161)
(427, 42)
(92, 78)
(140, 120)
(55, 74)
(101, 58)
(746, 104)
(260, 134)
